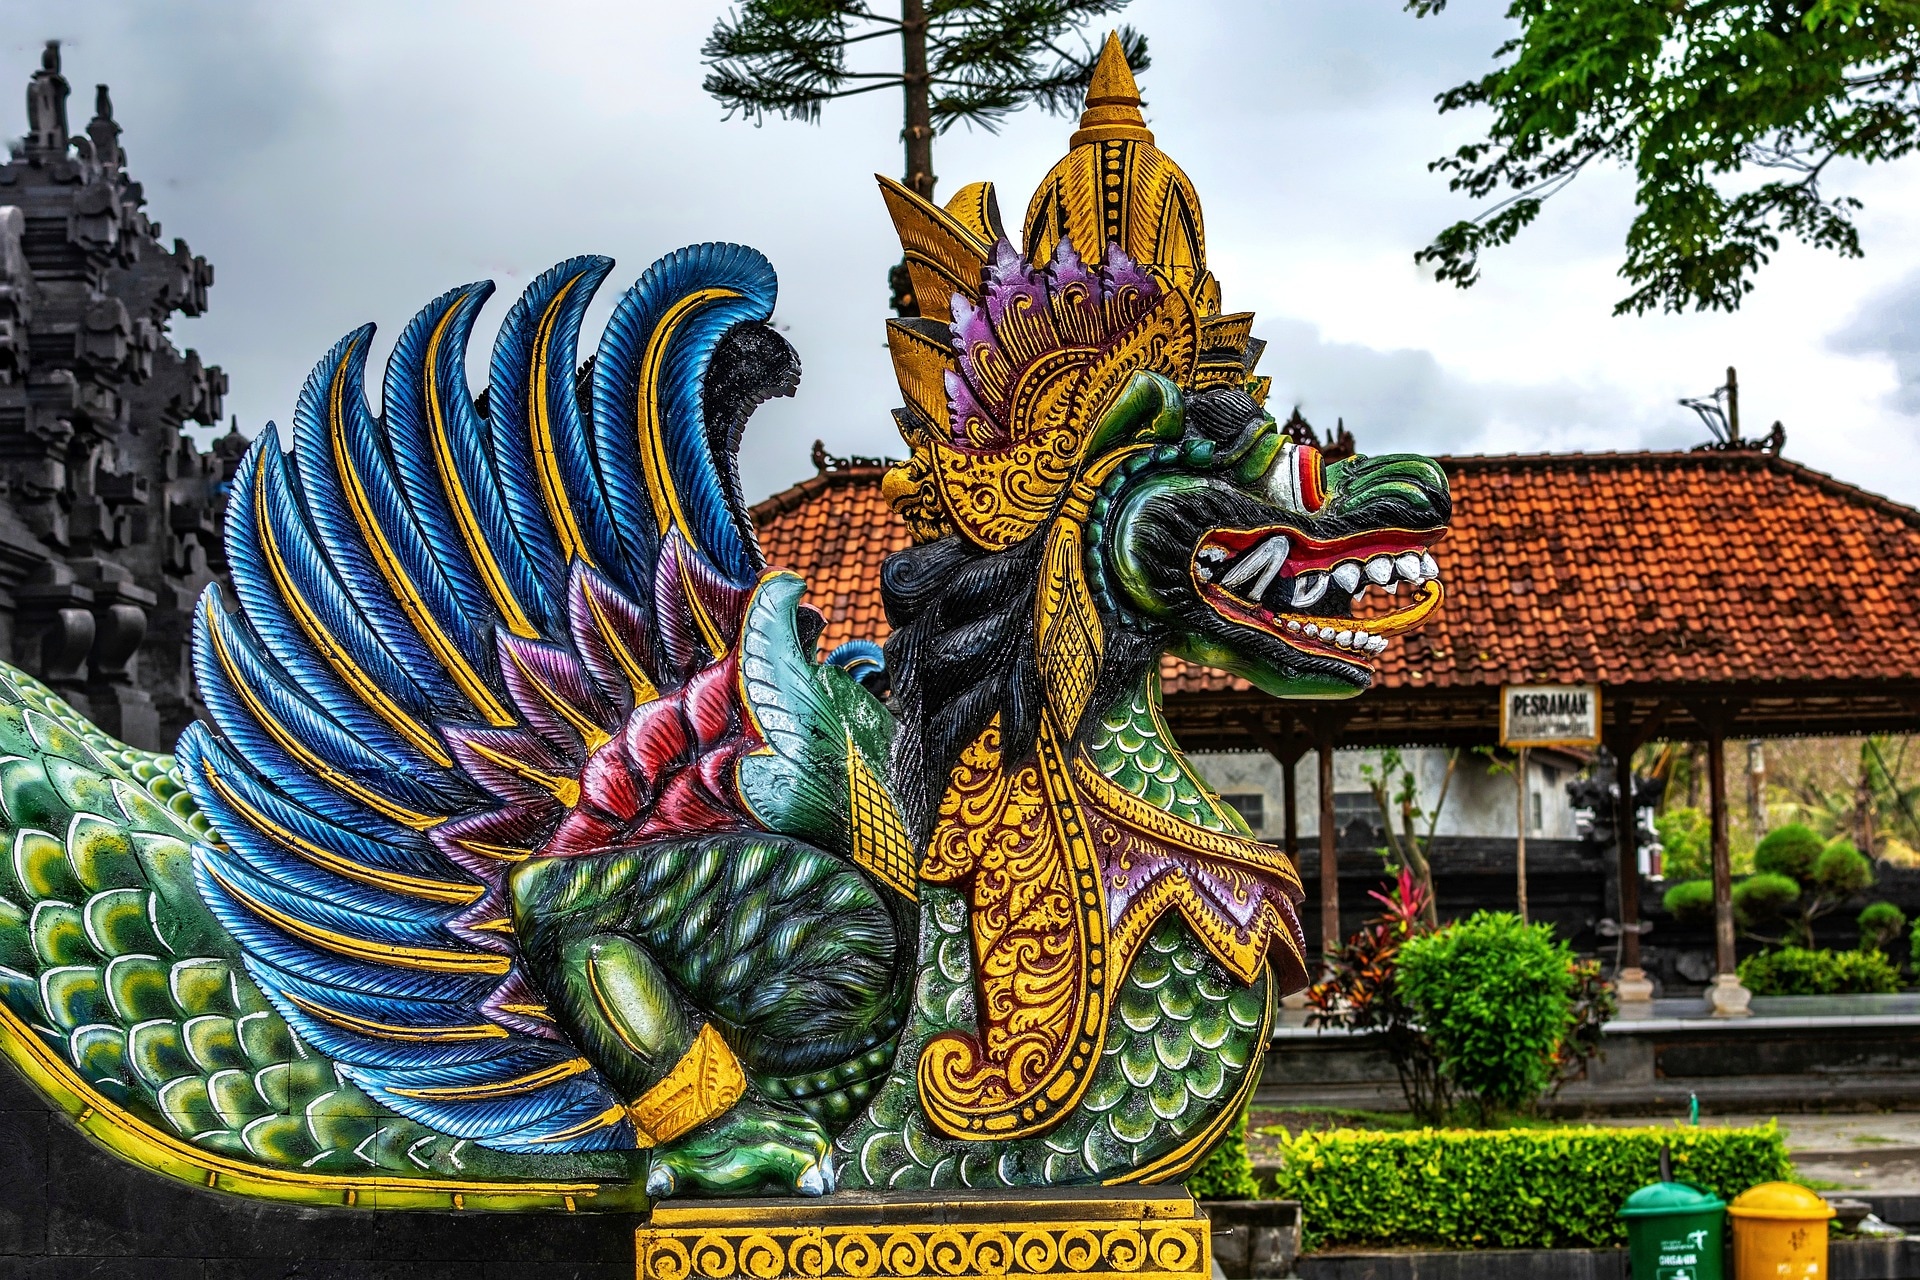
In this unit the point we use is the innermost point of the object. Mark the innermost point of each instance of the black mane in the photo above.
(962, 649)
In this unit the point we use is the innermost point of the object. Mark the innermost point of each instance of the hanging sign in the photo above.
(1549, 715)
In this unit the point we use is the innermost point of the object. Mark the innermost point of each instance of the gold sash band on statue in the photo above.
(703, 1084)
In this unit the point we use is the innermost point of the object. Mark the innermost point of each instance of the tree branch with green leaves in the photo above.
(1730, 113)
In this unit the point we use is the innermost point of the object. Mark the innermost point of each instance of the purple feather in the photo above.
(1076, 297)
(539, 675)
(603, 619)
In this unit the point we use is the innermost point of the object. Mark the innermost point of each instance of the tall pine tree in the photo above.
(975, 61)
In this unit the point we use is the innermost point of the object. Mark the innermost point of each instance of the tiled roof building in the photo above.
(1736, 578)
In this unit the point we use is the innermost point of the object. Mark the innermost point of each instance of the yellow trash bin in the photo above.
(1779, 1233)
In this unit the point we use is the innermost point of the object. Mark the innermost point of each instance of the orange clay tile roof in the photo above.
(1613, 568)
(834, 529)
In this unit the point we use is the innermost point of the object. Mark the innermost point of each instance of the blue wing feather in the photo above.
(376, 571)
(400, 853)
(352, 648)
(332, 410)
(517, 569)
(283, 643)
(648, 384)
(534, 424)
(410, 447)
(241, 679)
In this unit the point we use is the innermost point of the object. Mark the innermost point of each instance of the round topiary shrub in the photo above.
(1690, 900)
(1762, 897)
(1495, 996)
(1880, 926)
(1842, 870)
(1789, 851)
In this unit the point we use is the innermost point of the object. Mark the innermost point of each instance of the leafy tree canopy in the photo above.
(1729, 112)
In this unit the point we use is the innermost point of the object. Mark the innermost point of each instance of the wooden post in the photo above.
(1723, 958)
(1329, 859)
(1625, 827)
(1630, 984)
(1727, 998)
(1520, 830)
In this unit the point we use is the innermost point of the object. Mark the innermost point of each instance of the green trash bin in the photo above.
(1675, 1231)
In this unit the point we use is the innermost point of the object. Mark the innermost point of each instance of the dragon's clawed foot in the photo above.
(755, 1146)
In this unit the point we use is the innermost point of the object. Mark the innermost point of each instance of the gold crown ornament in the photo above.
(1002, 402)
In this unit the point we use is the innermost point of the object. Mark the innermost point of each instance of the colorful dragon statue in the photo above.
(531, 856)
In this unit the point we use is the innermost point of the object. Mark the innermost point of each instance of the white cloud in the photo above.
(1888, 325)
(349, 160)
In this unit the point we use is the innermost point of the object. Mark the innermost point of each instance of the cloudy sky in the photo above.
(346, 161)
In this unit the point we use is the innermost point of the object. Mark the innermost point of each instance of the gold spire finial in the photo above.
(1113, 101)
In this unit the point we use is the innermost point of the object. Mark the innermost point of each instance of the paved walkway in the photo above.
(1874, 1151)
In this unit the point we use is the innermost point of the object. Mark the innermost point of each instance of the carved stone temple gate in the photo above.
(109, 514)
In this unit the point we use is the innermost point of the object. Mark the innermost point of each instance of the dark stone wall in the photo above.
(1566, 883)
(69, 1209)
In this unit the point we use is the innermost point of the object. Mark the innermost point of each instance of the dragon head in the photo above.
(1092, 484)
(1248, 552)
(1088, 395)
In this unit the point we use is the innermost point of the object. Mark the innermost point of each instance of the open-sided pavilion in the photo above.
(1708, 594)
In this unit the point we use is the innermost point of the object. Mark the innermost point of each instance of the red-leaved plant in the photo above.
(1357, 993)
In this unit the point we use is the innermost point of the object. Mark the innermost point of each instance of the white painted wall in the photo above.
(1478, 803)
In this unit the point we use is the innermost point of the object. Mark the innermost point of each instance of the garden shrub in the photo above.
(1495, 996)
(1762, 896)
(1690, 900)
(1509, 1188)
(1789, 851)
(1226, 1172)
(1686, 844)
(1797, 971)
(1360, 993)
(1881, 924)
(1842, 870)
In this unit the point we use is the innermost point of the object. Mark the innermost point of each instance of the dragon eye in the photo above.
(1296, 481)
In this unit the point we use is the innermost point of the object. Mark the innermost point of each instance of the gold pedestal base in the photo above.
(1144, 1233)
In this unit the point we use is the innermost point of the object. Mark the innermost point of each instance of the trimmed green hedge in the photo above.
(1505, 1188)
(1226, 1172)
(1795, 971)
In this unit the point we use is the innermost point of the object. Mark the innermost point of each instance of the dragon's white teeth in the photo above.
(1203, 573)
(1293, 624)
(1308, 588)
(1380, 569)
(1361, 593)
(1391, 588)
(1377, 643)
(1429, 567)
(1258, 566)
(1312, 632)
(1347, 575)
(1211, 555)
(1343, 638)
(1409, 566)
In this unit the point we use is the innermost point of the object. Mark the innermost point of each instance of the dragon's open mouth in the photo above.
(1304, 591)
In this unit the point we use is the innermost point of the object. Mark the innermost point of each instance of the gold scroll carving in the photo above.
(1016, 838)
(1141, 1237)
